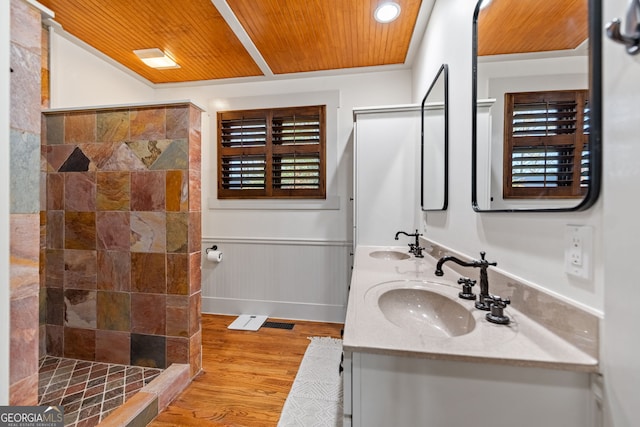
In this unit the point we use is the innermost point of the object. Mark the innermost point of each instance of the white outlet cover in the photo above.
(584, 234)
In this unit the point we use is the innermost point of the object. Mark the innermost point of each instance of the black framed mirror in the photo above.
(537, 94)
(434, 164)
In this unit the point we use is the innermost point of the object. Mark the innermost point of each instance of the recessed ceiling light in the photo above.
(387, 12)
(155, 58)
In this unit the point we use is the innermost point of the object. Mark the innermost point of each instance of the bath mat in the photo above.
(315, 399)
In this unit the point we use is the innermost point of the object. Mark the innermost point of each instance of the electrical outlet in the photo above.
(578, 248)
(575, 250)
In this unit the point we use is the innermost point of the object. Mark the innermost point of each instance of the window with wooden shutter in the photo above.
(272, 153)
(546, 152)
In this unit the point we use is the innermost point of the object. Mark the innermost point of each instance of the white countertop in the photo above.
(522, 343)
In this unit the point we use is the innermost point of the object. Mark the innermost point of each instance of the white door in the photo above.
(621, 228)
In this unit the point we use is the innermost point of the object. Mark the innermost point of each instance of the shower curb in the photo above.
(152, 399)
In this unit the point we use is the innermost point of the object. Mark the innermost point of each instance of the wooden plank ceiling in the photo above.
(193, 32)
(309, 35)
(524, 26)
(291, 36)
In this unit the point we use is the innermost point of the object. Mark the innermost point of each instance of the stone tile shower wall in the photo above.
(25, 194)
(123, 235)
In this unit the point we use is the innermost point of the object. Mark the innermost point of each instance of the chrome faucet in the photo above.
(485, 300)
(414, 248)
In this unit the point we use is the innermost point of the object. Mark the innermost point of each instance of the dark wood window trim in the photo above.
(276, 153)
(546, 137)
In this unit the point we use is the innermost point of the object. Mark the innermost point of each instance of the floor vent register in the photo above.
(278, 325)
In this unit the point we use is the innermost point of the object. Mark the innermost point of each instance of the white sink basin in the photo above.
(426, 312)
(389, 255)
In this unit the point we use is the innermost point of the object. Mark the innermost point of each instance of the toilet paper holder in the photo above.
(212, 248)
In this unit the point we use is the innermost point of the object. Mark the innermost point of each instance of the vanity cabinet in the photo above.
(387, 390)
(408, 364)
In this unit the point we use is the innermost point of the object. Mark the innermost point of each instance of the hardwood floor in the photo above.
(246, 375)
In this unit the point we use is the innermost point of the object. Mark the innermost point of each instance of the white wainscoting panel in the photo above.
(291, 279)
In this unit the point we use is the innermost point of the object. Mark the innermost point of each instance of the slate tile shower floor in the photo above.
(89, 391)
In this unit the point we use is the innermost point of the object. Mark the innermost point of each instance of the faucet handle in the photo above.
(466, 292)
(484, 261)
(417, 251)
(497, 304)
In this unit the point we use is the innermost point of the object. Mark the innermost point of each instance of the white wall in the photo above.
(383, 88)
(621, 345)
(528, 245)
(316, 234)
(5, 158)
(281, 278)
(80, 78)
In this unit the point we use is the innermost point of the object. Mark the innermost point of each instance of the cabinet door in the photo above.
(387, 174)
(404, 391)
(347, 389)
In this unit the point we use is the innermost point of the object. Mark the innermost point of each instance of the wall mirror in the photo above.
(434, 143)
(536, 141)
